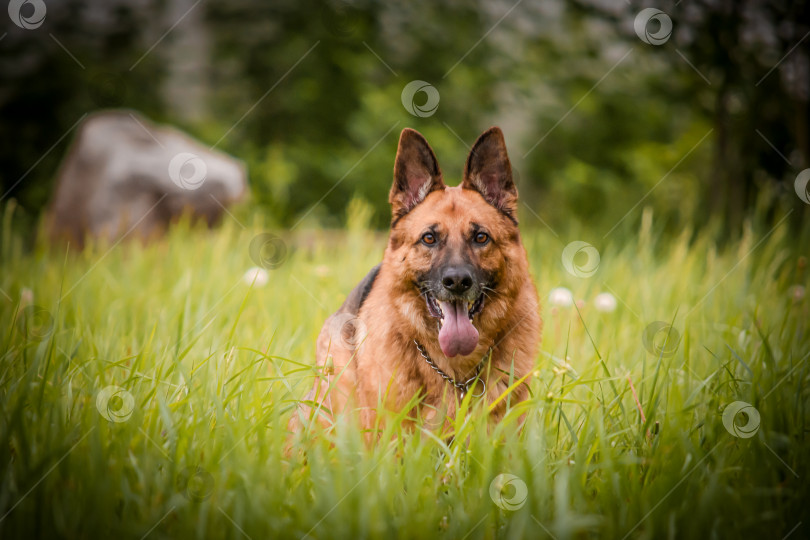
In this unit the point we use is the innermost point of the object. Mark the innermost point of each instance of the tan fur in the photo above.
(387, 367)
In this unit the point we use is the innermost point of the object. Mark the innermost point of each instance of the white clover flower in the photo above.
(561, 297)
(256, 276)
(605, 302)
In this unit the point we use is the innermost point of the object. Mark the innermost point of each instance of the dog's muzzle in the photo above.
(455, 301)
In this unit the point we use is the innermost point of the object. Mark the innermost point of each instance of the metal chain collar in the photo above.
(465, 386)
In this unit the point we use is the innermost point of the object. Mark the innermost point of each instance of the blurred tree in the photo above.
(320, 84)
(77, 61)
(745, 66)
(309, 95)
(752, 54)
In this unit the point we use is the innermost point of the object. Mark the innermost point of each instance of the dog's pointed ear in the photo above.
(489, 172)
(416, 173)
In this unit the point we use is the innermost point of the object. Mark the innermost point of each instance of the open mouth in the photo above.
(457, 335)
(436, 311)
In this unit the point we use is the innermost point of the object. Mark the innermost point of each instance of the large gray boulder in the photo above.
(125, 176)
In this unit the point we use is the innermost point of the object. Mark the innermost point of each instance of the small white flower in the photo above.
(561, 297)
(796, 292)
(605, 302)
(256, 276)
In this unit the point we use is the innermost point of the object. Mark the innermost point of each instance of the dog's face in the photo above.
(453, 247)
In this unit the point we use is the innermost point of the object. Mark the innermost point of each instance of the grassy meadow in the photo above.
(145, 390)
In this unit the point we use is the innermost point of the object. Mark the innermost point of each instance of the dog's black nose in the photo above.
(457, 280)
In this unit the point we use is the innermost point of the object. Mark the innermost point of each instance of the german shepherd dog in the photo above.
(451, 309)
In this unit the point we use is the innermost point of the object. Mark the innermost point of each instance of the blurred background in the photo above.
(701, 115)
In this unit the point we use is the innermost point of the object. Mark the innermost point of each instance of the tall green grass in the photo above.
(214, 365)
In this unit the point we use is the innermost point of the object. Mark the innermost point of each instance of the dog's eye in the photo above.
(481, 238)
(428, 239)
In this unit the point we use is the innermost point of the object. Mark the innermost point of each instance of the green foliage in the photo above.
(214, 365)
(308, 94)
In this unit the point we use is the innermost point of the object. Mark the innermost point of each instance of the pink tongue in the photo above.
(457, 335)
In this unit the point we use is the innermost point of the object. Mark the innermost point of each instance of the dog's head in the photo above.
(456, 250)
